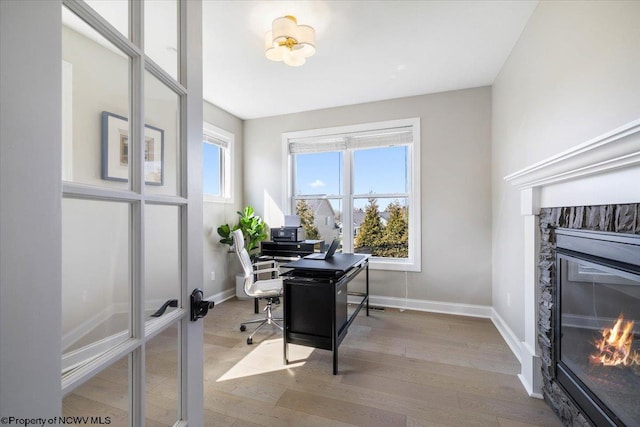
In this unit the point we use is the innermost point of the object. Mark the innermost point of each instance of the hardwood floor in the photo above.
(396, 369)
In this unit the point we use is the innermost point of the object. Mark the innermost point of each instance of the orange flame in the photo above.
(614, 349)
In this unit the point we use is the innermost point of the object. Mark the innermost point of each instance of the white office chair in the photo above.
(269, 289)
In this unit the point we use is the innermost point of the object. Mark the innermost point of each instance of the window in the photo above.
(217, 151)
(359, 184)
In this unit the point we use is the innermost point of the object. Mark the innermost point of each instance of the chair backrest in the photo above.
(245, 259)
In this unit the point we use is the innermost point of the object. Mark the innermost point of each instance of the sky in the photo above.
(211, 169)
(378, 171)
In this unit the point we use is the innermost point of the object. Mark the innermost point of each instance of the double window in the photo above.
(217, 152)
(360, 184)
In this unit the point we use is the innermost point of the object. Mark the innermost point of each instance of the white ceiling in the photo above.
(366, 51)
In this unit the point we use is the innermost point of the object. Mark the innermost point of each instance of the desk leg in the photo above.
(367, 286)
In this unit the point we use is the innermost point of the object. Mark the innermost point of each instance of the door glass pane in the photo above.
(321, 219)
(95, 107)
(104, 399)
(318, 173)
(162, 137)
(380, 170)
(95, 278)
(161, 34)
(162, 258)
(381, 227)
(116, 12)
(162, 378)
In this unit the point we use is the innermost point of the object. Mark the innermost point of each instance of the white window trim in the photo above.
(414, 261)
(226, 181)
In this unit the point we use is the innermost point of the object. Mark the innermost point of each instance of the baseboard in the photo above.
(222, 296)
(429, 306)
(507, 334)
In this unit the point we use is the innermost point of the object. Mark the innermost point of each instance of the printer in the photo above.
(291, 231)
(288, 234)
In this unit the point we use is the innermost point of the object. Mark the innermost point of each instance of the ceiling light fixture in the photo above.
(289, 42)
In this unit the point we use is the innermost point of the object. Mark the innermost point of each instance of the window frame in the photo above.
(413, 261)
(226, 157)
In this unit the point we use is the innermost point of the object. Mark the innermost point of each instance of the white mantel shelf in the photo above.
(617, 149)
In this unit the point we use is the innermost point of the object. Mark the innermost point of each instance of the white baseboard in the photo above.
(222, 296)
(471, 310)
(507, 334)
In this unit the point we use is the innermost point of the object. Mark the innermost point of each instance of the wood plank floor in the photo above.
(396, 369)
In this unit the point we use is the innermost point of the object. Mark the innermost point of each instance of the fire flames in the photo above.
(615, 347)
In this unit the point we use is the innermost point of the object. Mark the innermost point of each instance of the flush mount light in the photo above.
(289, 42)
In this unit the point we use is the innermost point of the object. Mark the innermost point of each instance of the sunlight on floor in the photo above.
(267, 357)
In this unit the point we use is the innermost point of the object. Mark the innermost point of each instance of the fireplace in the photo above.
(596, 332)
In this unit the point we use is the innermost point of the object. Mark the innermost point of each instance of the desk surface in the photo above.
(339, 262)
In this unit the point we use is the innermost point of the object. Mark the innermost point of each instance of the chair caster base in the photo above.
(249, 340)
(243, 328)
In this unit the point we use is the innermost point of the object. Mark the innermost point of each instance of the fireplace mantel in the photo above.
(603, 170)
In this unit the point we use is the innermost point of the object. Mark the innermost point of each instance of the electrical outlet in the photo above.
(213, 275)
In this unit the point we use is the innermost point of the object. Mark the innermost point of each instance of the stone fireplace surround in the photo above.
(621, 218)
(597, 181)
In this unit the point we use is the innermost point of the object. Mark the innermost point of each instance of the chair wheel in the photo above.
(249, 341)
(243, 328)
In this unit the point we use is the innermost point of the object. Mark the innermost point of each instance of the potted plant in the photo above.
(254, 231)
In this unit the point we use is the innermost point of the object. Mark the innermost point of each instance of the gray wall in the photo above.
(456, 188)
(216, 256)
(573, 75)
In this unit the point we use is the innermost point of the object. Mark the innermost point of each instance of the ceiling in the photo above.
(366, 51)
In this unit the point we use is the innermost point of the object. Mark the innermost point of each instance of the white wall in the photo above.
(573, 75)
(456, 190)
(217, 258)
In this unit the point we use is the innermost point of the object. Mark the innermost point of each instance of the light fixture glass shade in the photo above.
(283, 28)
(293, 58)
(271, 49)
(306, 40)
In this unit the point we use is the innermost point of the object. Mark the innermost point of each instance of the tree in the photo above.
(395, 241)
(307, 219)
(371, 230)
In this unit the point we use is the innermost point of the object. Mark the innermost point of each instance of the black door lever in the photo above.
(161, 310)
(199, 306)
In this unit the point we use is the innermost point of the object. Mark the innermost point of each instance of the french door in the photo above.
(123, 250)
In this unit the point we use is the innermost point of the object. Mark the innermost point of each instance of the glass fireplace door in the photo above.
(599, 336)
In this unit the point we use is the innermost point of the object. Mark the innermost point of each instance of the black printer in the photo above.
(288, 234)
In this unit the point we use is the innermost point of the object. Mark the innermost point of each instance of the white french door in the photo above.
(115, 114)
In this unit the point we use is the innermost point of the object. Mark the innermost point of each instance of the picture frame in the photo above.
(115, 150)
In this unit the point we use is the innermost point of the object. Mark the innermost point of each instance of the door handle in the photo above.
(163, 308)
(199, 306)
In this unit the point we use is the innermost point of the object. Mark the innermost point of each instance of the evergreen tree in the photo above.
(307, 219)
(396, 237)
(371, 230)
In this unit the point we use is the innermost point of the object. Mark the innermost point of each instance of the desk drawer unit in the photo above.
(310, 308)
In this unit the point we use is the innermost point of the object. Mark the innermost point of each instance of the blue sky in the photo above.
(377, 170)
(211, 169)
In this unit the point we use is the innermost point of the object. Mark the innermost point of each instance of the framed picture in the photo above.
(115, 150)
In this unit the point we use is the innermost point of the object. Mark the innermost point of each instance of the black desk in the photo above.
(315, 301)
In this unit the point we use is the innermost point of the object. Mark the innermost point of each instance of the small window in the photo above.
(217, 151)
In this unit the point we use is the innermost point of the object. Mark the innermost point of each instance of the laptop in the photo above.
(328, 254)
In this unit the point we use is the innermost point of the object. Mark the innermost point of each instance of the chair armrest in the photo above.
(270, 262)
